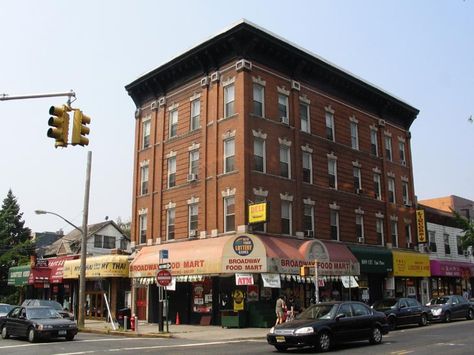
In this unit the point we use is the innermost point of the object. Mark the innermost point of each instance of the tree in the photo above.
(15, 243)
(467, 227)
(124, 226)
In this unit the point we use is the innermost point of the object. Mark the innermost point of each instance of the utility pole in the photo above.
(82, 277)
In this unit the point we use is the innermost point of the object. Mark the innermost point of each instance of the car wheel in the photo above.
(392, 323)
(281, 348)
(324, 342)
(5, 334)
(70, 337)
(423, 320)
(447, 317)
(470, 314)
(31, 335)
(375, 336)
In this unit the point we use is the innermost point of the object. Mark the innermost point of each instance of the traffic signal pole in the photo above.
(5, 97)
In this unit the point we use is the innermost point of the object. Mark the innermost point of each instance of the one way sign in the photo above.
(164, 266)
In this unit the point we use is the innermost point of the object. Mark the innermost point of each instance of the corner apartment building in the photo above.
(248, 117)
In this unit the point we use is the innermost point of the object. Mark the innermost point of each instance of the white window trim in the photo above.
(191, 152)
(146, 121)
(310, 165)
(336, 211)
(171, 122)
(264, 152)
(356, 137)
(225, 85)
(285, 120)
(307, 108)
(190, 206)
(168, 214)
(228, 156)
(289, 203)
(263, 96)
(225, 198)
(170, 172)
(288, 155)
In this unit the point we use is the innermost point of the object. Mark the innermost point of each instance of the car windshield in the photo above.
(439, 300)
(385, 304)
(52, 304)
(319, 311)
(4, 308)
(42, 313)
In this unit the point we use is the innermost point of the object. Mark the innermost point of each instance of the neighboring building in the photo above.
(248, 117)
(463, 206)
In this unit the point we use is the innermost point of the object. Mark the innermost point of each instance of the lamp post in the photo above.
(57, 215)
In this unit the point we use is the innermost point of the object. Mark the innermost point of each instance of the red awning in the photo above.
(39, 275)
(56, 266)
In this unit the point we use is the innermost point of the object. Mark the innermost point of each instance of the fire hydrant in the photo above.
(132, 322)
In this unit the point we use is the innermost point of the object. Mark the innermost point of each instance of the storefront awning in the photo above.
(451, 268)
(39, 275)
(56, 266)
(373, 260)
(98, 267)
(18, 275)
(410, 264)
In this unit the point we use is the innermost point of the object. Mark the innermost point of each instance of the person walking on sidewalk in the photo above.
(280, 309)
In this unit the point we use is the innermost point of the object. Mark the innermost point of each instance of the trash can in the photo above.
(121, 313)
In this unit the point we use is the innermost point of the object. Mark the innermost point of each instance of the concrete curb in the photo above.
(127, 334)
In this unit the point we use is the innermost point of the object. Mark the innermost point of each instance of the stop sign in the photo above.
(163, 278)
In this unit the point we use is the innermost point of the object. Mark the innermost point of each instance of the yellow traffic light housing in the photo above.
(59, 121)
(304, 271)
(79, 128)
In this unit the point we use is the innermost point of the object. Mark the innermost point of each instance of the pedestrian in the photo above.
(465, 294)
(279, 309)
(290, 310)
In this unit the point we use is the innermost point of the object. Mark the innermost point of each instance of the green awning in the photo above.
(18, 275)
(373, 260)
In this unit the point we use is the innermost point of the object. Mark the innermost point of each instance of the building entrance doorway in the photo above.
(95, 305)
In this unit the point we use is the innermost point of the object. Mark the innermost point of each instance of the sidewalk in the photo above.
(184, 331)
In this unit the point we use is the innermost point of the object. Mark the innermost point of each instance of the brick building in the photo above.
(248, 117)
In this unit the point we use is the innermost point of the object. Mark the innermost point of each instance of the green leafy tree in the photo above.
(467, 227)
(15, 243)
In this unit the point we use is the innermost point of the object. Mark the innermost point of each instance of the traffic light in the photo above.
(79, 128)
(304, 271)
(59, 121)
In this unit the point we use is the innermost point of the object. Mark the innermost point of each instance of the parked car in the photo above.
(4, 309)
(35, 323)
(324, 324)
(446, 308)
(403, 311)
(49, 303)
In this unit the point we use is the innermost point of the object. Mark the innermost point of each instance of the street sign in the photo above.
(164, 254)
(164, 266)
(163, 278)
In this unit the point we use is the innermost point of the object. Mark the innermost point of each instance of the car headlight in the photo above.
(43, 326)
(436, 312)
(272, 330)
(305, 330)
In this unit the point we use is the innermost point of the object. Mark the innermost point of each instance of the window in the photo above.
(170, 219)
(432, 240)
(357, 179)
(171, 172)
(304, 117)
(173, 123)
(229, 214)
(308, 218)
(406, 201)
(229, 155)
(408, 236)
(97, 241)
(360, 310)
(388, 147)
(394, 229)
(285, 161)
(146, 134)
(109, 242)
(346, 310)
(374, 147)
(447, 249)
(194, 162)
(283, 108)
(459, 245)
(229, 99)
(334, 216)
(144, 180)
(332, 171)
(330, 126)
(286, 217)
(391, 190)
(401, 146)
(307, 167)
(193, 217)
(377, 187)
(195, 114)
(142, 228)
(354, 136)
(258, 100)
(359, 227)
(259, 154)
(379, 231)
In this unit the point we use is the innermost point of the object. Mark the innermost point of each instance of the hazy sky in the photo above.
(420, 51)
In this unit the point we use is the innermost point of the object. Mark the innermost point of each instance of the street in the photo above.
(453, 338)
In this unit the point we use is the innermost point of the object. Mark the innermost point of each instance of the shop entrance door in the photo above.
(95, 305)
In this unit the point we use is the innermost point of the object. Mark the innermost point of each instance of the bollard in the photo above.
(125, 323)
(136, 324)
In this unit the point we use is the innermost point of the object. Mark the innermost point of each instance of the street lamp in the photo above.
(82, 278)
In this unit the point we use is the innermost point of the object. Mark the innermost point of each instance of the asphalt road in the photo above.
(453, 338)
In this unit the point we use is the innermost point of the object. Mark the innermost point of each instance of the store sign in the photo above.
(243, 279)
(258, 213)
(102, 266)
(271, 280)
(41, 263)
(18, 275)
(244, 253)
(411, 264)
(420, 223)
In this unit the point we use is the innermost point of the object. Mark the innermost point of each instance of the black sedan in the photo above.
(446, 308)
(35, 323)
(403, 311)
(49, 303)
(324, 324)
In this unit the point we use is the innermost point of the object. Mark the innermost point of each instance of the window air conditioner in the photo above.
(359, 191)
(192, 233)
(309, 233)
(192, 177)
(361, 239)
